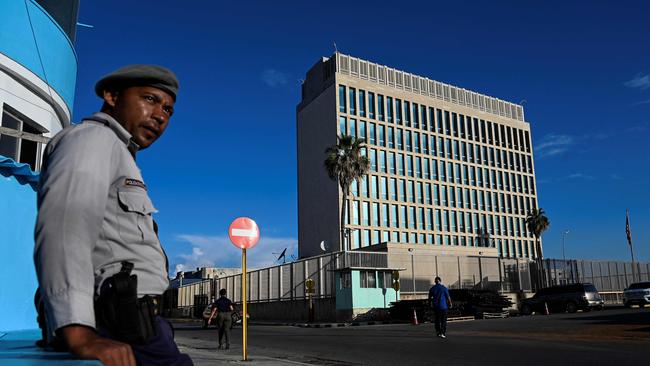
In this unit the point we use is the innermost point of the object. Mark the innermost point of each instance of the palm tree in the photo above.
(345, 164)
(537, 223)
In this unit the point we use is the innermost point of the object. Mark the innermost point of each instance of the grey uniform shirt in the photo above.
(93, 213)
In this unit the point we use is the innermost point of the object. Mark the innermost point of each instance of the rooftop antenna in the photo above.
(335, 48)
(282, 256)
(293, 258)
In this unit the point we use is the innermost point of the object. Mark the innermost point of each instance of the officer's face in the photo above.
(144, 111)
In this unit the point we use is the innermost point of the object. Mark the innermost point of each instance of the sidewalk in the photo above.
(205, 353)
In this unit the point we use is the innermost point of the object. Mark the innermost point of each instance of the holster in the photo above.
(118, 309)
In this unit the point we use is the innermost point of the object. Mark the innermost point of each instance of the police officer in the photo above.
(94, 218)
(223, 308)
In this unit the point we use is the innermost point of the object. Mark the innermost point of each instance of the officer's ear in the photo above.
(110, 98)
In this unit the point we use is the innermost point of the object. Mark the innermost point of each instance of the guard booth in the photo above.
(365, 292)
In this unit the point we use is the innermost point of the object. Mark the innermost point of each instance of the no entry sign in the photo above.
(244, 233)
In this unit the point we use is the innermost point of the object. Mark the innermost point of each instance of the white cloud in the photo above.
(647, 101)
(553, 145)
(640, 81)
(575, 176)
(640, 127)
(218, 251)
(274, 78)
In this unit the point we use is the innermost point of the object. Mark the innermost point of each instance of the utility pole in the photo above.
(564, 234)
(412, 270)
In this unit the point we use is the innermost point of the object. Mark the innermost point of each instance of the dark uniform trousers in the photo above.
(161, 350)
(224, 322)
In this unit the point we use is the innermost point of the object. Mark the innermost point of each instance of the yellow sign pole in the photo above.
(243, 296)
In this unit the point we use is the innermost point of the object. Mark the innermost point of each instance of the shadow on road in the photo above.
(632, 317)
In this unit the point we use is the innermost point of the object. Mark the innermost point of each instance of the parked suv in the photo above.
(638, 293)
(569, 298)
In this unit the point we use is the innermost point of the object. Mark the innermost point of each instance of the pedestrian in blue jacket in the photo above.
(440, 302)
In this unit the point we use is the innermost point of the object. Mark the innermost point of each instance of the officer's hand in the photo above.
(85, 343)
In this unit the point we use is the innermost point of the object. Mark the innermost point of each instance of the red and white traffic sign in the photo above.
(244, 233)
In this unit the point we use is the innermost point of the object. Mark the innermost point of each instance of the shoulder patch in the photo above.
(130, 182)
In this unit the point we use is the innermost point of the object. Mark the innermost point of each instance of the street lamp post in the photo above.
(412, 270)
(564, 234)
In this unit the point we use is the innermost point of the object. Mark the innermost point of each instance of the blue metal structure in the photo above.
(38, 68)
(32, 38)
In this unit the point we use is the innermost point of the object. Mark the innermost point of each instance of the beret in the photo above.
(139, 75)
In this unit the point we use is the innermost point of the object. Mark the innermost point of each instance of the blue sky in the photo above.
(582, 68)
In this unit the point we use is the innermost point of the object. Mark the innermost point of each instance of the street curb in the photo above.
(344, 324)
(329, 325)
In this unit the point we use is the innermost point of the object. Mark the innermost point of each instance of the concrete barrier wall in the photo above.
(293, 311)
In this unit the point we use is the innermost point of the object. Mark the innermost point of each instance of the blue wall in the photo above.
(59, 67)
(17, 274)
(358, 297)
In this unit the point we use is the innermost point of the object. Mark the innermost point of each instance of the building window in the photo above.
(371, 133)
(371, 105)
(400, 164)
(389, 109)
(399, 139)
(375, 215)
(393, 217)
(398, 111)
(407, 113)
(353, 127)
(355, 212)
(368, 279)
(380, 107)
(362, 103)
(342, 104)
(382, 161)
(409, 165)
(21, 139)
(353, 101)
(407, 140)
(373, 160)
(374, 186)
(346, 280)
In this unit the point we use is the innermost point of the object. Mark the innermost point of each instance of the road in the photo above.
(609, 337)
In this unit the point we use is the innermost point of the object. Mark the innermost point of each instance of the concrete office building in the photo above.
(452, 170)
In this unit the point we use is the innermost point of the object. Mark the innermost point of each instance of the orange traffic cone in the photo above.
(546, 309)
(415, 318)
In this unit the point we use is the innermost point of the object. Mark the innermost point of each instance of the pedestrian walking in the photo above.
(440, 302)
(223, 308)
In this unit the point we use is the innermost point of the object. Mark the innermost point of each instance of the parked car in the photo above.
(569, 298)
(236, 317)
(637, 294)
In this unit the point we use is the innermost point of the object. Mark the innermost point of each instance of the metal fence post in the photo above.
(291, 281)
(460, 278)
(480, 272)
(520, 284)
(500, 274)
(280, 289)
